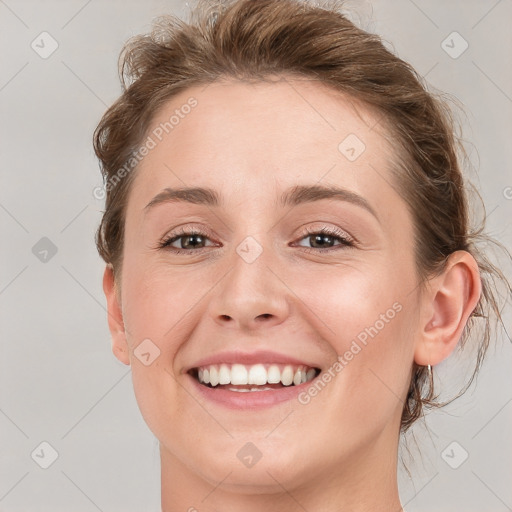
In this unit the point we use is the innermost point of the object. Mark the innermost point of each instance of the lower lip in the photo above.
(251, 399)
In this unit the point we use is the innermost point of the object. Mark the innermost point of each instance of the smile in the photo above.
(257, 377)
(249, 381)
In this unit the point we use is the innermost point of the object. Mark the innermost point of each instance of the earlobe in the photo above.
(452, 298)
(115, 317)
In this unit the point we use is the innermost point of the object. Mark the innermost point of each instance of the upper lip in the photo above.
(261, 356)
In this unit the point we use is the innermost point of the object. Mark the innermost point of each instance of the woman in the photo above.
(288, 255)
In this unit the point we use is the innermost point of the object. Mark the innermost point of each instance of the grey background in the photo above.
(59, 381)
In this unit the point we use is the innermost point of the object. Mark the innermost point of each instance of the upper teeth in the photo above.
(259, 374)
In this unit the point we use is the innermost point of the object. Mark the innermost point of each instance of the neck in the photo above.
(367, 483)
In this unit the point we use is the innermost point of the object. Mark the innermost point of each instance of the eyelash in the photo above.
(345, 240)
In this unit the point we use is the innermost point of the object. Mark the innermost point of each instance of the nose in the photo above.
(251, 296)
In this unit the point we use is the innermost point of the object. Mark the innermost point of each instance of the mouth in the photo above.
(254, 381)
(253, 378)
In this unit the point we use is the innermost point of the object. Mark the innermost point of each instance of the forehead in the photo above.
(237, 136)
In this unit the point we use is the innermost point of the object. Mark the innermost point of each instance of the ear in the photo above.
(115, 316)
(452, 297)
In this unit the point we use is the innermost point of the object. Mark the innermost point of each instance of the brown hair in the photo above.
(253, 40)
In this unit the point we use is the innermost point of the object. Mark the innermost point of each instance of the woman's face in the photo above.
(257, 283)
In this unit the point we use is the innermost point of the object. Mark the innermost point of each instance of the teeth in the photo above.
(274, 374)
(287, 376)
(214, 376)
(239, 374)
(258, 375)
(224, 375)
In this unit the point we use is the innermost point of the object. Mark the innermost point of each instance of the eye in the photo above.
(324, 239)
(186, 240)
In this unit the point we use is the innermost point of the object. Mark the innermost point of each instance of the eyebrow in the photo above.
(299, 194)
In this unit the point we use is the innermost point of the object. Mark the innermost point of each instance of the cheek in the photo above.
(155, 309)
(371, 318)
(350, 301)
(157, 299)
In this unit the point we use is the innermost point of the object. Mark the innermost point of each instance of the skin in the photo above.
(251, 142)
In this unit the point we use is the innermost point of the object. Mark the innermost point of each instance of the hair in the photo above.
(257, 39)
